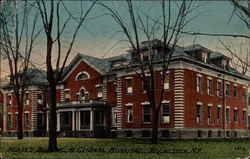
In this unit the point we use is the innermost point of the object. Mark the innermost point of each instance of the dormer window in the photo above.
(82, 76)
(205, 57)
(224, 63)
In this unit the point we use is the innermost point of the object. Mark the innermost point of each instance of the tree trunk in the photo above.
(154, 139)
(52, 120)
(20, 121)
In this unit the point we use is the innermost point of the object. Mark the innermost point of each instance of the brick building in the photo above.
(34, 103)
(203, 97)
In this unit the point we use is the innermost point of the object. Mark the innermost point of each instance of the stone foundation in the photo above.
(144, 133)
(182, 133)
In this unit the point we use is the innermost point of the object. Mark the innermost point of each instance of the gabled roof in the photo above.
(103, 66)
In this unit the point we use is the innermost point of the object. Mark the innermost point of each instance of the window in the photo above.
(26, 99)
(9, 100)
(165, 113)
(244, 94)
(227, 89)
(99, 92)
(205, 57)
(146, 113)
(199, 113)
(82, 76)
(219, 88)
(244, 117)
(224, 63)
(148, 82)
(235, 115)
(199, 84)
(66, 95)
(166, 82)
(40, 98)
(235, 91)
(219, 116)
(83, 95)
(129, 85)
(209, 114)
(9, 120)
(210, 86)
(27, 120)
(227, 114)
(129, 114)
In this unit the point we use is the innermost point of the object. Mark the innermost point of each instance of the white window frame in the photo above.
(166, 84)
(80, 73)
(228, 114)
(9, 121)
(25, 120)
(129, 112)
(129, 89)
(166, 118)
(219, 114)
(219, 88)
(210, 114)
(148, 113)
(99, 94)
(210, 87)
(199, 83)
(199, 113)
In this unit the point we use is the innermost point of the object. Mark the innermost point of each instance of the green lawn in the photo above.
(125, 148)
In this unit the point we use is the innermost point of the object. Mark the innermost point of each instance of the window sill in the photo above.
(129, 94)
(210, 95)
(167, 90)
(146, 123)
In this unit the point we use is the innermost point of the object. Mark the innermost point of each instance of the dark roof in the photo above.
(104, 65)
(36, 77)
(195, 47)
(216, 55)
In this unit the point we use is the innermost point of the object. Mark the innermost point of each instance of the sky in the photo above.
(100, 36)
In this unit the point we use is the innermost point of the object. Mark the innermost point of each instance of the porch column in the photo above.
(47, 121)
(104, 118)
(91, 120)
(77, 120)
(58, 128)
(73, 120)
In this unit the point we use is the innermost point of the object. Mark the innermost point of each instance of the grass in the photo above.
(125, 148)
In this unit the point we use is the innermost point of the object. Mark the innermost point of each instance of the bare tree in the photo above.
(18, 34)
(240, 56)
(142, 26)
(50, 12)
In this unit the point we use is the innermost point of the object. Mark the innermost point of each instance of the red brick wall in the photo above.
(192, 97)
(139, 97)
(111, 97)
(88, 84)
(13, 109)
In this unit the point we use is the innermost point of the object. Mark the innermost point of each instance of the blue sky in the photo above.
(99, 34)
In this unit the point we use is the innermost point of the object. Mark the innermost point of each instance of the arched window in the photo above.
(83, 95)
(82, 76)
